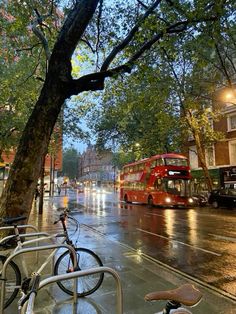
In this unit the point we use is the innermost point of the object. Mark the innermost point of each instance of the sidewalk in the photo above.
(139, 275)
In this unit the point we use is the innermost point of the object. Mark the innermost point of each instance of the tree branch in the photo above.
(98, 31)
(95, 81)
(142, 4)
(129, 37)
(223, 65)
(69, 36)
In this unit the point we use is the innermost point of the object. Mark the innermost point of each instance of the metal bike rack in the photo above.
(20, 227)
(25, 235)
(77, 274)
(22, 251)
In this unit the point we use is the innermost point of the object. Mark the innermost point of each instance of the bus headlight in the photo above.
(190, 200)
(168, 200)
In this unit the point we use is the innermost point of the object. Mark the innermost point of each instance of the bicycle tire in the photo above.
(13, 284)
(85, 285)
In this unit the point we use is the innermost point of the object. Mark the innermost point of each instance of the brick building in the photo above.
(221, 157)
(96, 168)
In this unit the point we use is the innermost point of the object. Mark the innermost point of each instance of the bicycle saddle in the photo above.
(186, 294)
(12, 220)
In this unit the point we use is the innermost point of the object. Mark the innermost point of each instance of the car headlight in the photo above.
(168, 200)
(190, 200)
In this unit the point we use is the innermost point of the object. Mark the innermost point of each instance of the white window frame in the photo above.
(231, 143)
(193, 157)
(229, 129)
(207, 156)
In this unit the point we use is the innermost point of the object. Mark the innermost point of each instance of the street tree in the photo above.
(16, 101)
(190, 68)
(135, 114)
(81, 19)
(70, 163)
(192, 88)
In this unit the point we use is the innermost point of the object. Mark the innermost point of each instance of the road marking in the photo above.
(152, 214)
(169, 239)
(222, 237)
(209, 287)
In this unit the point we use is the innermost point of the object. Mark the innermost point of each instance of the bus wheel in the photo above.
(150, 201)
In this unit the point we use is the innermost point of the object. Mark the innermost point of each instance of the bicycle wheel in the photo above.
(13, 281)
(85, 285)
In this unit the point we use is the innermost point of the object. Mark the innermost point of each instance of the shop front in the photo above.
(228, 177)
(199, 184)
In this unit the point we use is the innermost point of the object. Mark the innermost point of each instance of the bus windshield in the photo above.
(176, 186)
(176, 162)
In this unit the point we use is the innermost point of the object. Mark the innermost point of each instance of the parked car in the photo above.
(223, 197)
(199, 200)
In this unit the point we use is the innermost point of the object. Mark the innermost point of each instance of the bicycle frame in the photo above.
(22, 251)
(20, 244)
(45, 236)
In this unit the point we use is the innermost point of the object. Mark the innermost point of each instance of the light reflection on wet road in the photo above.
(200, 241)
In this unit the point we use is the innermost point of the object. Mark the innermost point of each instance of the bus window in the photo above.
(135, 168)
(176, 162)
(158, 184)
(159, 162)
(141, 166)
(177, 187)
(153, 164)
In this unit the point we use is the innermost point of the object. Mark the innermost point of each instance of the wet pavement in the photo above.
(193, 240)
(139, 273)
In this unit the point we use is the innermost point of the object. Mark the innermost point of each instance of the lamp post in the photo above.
(114, 178)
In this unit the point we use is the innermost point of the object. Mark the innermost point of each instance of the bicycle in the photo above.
(186, 294)
(85, 259)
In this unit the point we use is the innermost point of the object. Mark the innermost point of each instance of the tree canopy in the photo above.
(70, 163)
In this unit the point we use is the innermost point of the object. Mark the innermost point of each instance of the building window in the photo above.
(231, 122)
(210, 156)
(193, 158)
(232, 153)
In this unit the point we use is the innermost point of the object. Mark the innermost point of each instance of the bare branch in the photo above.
(98, 31)
(225, 71)
(28, 48)
(32, 73)
(84, 40)
(142, 4)
(129, 37)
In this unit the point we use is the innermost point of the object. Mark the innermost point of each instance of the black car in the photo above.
(223, 197)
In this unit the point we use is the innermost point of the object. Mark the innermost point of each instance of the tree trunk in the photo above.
(41, 188)
(27, 165)
(18, 194)
(202, 160)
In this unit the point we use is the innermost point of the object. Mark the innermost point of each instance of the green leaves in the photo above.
(70, 163)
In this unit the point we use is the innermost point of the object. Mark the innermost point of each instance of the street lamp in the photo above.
(230, 95)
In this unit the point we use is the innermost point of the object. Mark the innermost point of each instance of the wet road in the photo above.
(199, 241)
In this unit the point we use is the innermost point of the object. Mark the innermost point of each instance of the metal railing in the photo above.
(29, 306)
(20, 227)
(26, 235)
(23, 251)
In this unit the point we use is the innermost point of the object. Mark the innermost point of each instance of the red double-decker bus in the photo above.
(162, 180)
